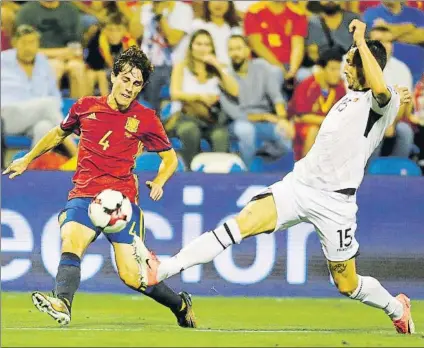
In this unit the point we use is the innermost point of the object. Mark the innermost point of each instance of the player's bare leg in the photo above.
(132, 272)
(259, 216)
(75, 240)
(369, 291)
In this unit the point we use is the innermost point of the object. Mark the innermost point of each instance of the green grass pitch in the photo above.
(102, 320)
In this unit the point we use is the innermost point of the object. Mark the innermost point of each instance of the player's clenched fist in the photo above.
(17, 167)
(358, 29)
(156, 191)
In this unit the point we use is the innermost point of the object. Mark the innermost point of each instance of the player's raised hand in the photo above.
(17, 167)
(358, 29)
(405, 95)
(156, 190)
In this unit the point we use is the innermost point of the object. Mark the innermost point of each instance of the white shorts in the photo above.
(333, 215)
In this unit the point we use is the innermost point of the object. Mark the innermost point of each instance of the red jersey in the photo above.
(276, 29)
(309, 98)
(417, 4)
(110, 141)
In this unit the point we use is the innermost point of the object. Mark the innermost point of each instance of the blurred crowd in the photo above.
(286, 58)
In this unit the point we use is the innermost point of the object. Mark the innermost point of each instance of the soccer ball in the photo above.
(110, 210)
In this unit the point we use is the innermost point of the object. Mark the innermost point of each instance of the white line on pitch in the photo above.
(196, 330)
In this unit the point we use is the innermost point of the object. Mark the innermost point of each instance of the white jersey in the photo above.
(352, 130)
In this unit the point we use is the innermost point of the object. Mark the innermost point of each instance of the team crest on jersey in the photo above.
(132, 124)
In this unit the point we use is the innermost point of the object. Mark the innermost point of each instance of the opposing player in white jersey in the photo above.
(322, 187)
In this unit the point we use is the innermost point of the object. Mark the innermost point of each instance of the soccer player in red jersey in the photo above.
(113, 130)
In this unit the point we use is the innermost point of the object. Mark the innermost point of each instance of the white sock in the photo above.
(201, 250)
(372, 293)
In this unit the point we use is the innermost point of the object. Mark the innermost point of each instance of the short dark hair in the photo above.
(134, 58)
(330, 54)
(377, 50)
(241, 37)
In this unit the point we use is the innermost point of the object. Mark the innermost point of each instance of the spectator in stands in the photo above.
(8, 15)
(418, 120)
(242, 7)
(59, 25)
(195, 85)
(396, 72)
(361, 6)
(328, 29)
(276, 32)
(400, 136)
(93, 13)
(164, 26)
(5, 41)
(313, 98)
(107, 43)
(407, 26)
(259, 113)
(405, 23)
(30, 99)
(221, 21)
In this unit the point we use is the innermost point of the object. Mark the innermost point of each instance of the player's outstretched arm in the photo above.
(372, 71)
(52, 139)
(167, 168)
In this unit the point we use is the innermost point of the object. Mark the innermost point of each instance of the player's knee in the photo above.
(76, 238)
(72, 245)
(130, 278)
(347, 286)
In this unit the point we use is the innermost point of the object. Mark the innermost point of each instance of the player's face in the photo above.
(351, 71)
(202, 46)
(332, 72)
(126, 86)
(238, 52)
(27, 47)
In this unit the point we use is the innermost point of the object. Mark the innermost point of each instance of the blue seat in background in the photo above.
(66, 105)
(283, 164)
(145, 103)
(394, 166)
(217, 162)
(19, 154)
(150, 162)
(165, 112)
(17, 141)
(165, 93)
(176, 144)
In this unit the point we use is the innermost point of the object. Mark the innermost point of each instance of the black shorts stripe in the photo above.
(229, 233)
(218, 239)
